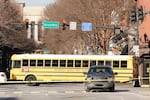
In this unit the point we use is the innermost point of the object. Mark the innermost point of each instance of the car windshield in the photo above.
(100, 70)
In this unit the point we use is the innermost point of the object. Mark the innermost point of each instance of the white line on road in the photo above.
(18, 92)
(49, 92)
(35, 92)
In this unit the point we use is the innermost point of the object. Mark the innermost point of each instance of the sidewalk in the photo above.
(144, 90)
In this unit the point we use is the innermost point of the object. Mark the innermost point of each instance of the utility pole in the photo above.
(137, 82)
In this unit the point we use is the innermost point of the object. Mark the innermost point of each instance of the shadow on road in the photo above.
(8, 98)
(121, 90)
(105, 90)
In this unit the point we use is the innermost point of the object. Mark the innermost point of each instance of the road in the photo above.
(70, 91)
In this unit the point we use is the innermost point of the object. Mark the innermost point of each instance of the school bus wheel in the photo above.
(31, 78)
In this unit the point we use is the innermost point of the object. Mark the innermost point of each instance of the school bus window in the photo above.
(70, 63)
(32, 63)
(116, 64)
(17, 64)
(54, 63)
(40, 63)
(47, 63)
(85, 63)
(62, 63)
(92, 62)
(25, 63)
(124, 64)
(77, 63)
(101, 62)
(108, 63)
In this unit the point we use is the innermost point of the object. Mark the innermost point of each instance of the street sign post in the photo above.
(136, 50)
(52, 25)
(86, 26)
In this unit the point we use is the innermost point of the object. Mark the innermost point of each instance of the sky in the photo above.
(35, 2)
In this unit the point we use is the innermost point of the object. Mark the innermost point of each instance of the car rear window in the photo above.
(100, 70)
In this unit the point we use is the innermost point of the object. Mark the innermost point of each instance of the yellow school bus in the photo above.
(67, 68)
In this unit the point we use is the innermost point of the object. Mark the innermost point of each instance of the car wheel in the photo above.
(112, 89)
(31, 78)
(86, 88)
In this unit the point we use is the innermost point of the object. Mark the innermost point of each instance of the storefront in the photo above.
(145, 70)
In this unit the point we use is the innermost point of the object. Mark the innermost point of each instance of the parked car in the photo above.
(100, 77)
(3, 77)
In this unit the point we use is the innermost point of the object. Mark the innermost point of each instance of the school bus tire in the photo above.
(31, 78)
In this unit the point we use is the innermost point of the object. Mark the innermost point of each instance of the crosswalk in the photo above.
(38, 92)
(17, 91)
(22, 89)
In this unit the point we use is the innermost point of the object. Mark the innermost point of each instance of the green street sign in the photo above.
(53, 25)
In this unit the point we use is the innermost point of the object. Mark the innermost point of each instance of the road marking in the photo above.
(18, 92)
(38, 92)
(49, 92)
(2, 92)
(141, 94)
(69, 92)
(35, 92)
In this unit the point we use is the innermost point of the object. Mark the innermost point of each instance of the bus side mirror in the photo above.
(115, 73)
(85, 73)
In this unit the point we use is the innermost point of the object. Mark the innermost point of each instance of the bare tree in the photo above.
(98, 12)
(12, 29)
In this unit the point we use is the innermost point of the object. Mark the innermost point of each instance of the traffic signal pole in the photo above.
(136, 16)
(139, 17)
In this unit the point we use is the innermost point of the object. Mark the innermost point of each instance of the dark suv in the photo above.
(100, 77)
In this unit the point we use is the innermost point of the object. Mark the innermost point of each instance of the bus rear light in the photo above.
(13, 77)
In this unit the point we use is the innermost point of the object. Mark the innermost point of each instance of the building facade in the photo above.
(144, 38)
(144, 27)
(34, 15)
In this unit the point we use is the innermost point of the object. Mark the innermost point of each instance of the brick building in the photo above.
(144, 27)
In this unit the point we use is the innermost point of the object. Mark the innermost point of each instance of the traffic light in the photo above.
(32, 28)
(64, 25)
(140, 13)
(26, 21)
(32, 24)
(133, 15)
